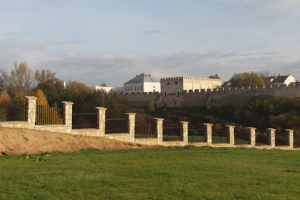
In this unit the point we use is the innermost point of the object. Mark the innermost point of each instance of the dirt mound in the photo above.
(25, 141)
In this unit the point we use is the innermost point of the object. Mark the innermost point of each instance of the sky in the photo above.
(112, 41)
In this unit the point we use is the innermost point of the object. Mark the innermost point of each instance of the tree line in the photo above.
(50, 90)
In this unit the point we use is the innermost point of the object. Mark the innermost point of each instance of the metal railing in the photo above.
(219, 134)
(116, 124)
(196, 133)
(84, 120)
(241, 136)
(171, 132)
(48, 115)
(13, 111)
(261, 137)
(145, 128)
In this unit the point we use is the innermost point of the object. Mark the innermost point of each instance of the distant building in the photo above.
(279, 80)
(142, 83)
(176, 85)
(104, 88)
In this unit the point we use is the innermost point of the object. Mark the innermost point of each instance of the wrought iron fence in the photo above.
(296, 139)
(171, 132)
(84, 120)
(116, 124)
(261, 137)
(145, 128)
(219, 134)
(241, 136)
(13, 111)
(196, 133)
(48, 115)
(281, 138)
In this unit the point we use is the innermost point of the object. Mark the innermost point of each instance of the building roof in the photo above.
(280, 79)
(143, 78)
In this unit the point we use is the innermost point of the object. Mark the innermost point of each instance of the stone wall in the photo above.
(217, 97)
(130, 135)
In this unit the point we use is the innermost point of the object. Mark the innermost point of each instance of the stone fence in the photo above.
(130, 135)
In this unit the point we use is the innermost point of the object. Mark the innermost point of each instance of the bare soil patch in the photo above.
(25, 141)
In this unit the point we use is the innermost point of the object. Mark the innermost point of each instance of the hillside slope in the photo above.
(25, 141)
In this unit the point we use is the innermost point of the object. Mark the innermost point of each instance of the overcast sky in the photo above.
(114, 40)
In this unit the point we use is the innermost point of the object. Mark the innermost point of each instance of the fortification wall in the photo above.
(142, 99)
(216, 97)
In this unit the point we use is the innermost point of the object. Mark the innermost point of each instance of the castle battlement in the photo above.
(173, 78)
(190, 78)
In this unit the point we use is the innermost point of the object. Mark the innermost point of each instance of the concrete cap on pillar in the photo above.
(31, 97)
(207, 124)
(67, 102)
(101, 108)
(184, 122)
(230, 126)
(159, 119)
(289, 130)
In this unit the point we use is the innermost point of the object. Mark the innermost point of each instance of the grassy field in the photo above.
(160, 173)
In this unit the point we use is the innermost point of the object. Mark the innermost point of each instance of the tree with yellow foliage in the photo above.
(20, 96)
(41, 98)
(4, 97)
(46, 114)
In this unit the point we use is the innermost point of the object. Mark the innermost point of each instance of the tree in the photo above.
(152, 106)
(216, 76)
(4, 97)
(22, 78)
(41, 98)
(246, 79)
(20, 96)
(44, 76)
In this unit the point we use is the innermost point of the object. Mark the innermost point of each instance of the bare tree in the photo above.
(20, 78)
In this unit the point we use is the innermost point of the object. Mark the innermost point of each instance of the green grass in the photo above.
(161, 173)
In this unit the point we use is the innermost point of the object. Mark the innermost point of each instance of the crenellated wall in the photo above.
(214, 98)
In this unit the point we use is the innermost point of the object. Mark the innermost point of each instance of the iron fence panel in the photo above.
(145, 128)
(48, 115)
(84, 120)
(13, 111)
(116, 124)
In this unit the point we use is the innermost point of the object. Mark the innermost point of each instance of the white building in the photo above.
(142, 83)
(279, 80)
(104, 88)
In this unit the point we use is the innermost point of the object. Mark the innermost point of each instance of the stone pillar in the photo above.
(68, 115)
(208, 137)
(131, 125)
(184, 132)
(291, 138)
(31, 110)
(272, 137)
(159, 130)
(251, 132)
(230, 138)
(101, 121)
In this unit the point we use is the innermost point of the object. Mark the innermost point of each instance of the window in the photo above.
(178, 93)
(134, 88)
(168, 83)
(176, 82)
(141, 87)
(131, 88)
(153, 86)
(165, 94)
